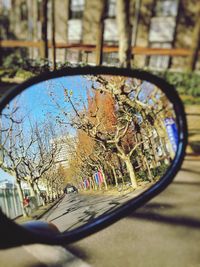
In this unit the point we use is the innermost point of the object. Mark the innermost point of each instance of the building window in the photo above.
(162, 28)
(160, 62)
(110, 32)
(165, 8)
(23, 11)
(73, 56)
(111, 59)
(110, 9)
(74, 31)
(76, 9)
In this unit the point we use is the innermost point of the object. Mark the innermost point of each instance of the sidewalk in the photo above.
(40, 255)
(37, 214)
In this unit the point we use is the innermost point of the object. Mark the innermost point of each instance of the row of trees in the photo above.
(28, 155)
(114, 132)
(120, 132)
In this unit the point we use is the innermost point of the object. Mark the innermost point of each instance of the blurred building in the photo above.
(5, 184)
(65, 146)
(77, 20)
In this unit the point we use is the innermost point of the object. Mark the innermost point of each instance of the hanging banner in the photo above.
(100, 176)
(172, 132)
(96, 178)
(86, 183)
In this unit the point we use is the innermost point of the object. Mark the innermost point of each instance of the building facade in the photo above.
(155, 23)
(65, 146)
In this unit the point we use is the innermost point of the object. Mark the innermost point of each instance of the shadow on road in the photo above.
(78, 252)
(186, 183)
(190, 171)
(193, 159)
(86, 210)
(90, 214)
(148, 213)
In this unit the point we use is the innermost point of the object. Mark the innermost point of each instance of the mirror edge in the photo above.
(29, 236)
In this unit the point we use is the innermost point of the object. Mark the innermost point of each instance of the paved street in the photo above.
(165, 232)
(77, 209)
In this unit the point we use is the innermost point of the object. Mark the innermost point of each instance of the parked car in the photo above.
(70, 189)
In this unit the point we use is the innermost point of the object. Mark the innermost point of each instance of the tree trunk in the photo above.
(131, 171)
(34, 196)
(53, 33)
(124, 29)
(21, 198)
(151, 14)
(178, 15)
(44, 38)
(114, 174)
(100, 34)
(150, 177)
(94, 182)
(48, 193)
(120, 166)
(136, 22)
(167, 154)
(14, 200)
(195, 42)
(38, 192)
(154, 151)
(91, 183)
(104, 178)
(37, 188)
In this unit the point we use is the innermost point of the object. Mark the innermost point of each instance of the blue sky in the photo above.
(5, 176)
(39, 102)
(36, 103)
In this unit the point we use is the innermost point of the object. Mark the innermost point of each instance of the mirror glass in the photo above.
(77, 147)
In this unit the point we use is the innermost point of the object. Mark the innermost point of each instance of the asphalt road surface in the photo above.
(163, 233)
(76, 209)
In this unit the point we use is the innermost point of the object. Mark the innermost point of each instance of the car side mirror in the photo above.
(96, 142)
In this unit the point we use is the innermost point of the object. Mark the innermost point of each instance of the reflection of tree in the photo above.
(53, 179)
(26, 151)
(12, 140)
(40, 157)
(120, 130)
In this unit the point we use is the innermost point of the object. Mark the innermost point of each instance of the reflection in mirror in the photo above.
(77, 147)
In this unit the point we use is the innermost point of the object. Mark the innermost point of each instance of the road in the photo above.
(165, 232)
(77, 209)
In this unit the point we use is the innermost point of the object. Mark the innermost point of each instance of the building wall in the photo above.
(18, 25)
(185, 27)
(66, 146)
(84, 29)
